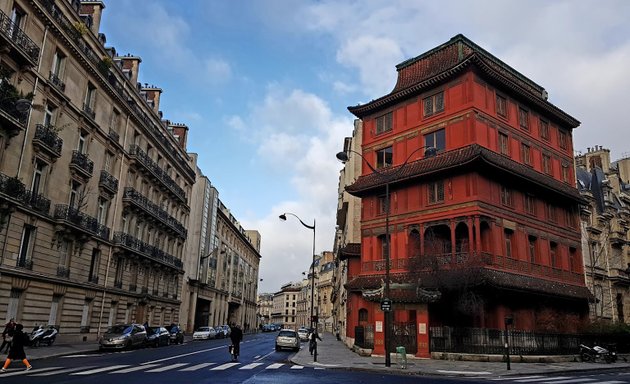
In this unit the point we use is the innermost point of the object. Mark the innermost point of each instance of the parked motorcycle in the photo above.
(43, 335)
(597, 353)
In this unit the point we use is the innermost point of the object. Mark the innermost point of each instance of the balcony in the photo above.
(12, 120)
(46, 140)
(138, 154)
(85, 223)
(89, 111)
(118, 284)
(25, 263)
(63, 271)
(14, 189)
(151, 252)
(56, 82)
(108, 182)
(114, 135)
(21, 47)
(82, 164)
(154, 210)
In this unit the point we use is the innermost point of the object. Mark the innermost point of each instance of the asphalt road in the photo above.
(210, 362)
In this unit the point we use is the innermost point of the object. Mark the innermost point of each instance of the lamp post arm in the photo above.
(430, 151)
(300, 220)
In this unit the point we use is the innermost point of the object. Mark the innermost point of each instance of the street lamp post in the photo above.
(283, 217)
(385, 302)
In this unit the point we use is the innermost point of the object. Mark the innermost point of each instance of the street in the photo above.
(209, 362)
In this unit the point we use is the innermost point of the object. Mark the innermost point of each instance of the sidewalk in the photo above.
(334, 354)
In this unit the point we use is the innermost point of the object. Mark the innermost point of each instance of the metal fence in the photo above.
(492, 341)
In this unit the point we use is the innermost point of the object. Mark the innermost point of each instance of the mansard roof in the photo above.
(466, 156)
(451, 59)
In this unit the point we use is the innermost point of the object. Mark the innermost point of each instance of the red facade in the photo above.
(489, 226)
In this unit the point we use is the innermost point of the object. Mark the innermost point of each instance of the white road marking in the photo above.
(512, 378)
(133, 369)
(182, 355)
(275, 366)
(251, 366)
(97, 370)
(168, 367)
(541, 379)
(16, 372)
(612, 382)
(257, 356)
(196, 367)
(569, 381)
(297, 367)
(465, 372)
(67, 370)
(270, 353)
(224, 366)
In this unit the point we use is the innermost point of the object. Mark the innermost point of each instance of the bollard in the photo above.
(401, 357)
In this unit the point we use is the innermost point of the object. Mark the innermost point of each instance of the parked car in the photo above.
(287, 338)
(177, 334)
(204, 333)
(123, 336)
(303, 333)
(157, 336)
(223, 331)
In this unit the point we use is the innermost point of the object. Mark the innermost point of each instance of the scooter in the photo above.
(43, 335)
(597, 353)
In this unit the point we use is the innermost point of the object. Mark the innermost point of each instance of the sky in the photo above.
(264, 87)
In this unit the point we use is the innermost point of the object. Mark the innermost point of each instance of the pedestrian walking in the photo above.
(7, 335)
(20, 339)
(236, 336)
(312, 341)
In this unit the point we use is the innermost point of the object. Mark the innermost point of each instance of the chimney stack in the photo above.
(153, 96)
(94, 9)
(130, 66)
(179, 132)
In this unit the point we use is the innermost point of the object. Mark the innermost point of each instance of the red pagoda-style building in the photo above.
(488, 227)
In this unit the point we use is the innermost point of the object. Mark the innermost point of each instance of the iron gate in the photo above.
(404, 335)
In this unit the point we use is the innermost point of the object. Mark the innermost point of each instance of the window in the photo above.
(551, 213)
(553, 254)
(506, 197)
(508, 242)
(565, 173)
(384, 123)
(26, 244)
(120, 263)
(523, 118)
(39, 170)
(82, 144)
(384, 157)
(14, 304)
(525, 154)
(501, 106)
(381, 205)
(49, 115)
(531, 241)
(546, 163)
(562, 139)
(101, 214)
(75, 194)
(90, 96)
(572, 258)
(544, 130)
(112, 314)
(504, 144)
(17, 18)
(108, 165)
(436, 140)
(436, 192)
(85, 316)
(113, 123)
(124, 225)
(64, 253)
(57, 64)
(570, 218)
(433, 104)
(529, 203)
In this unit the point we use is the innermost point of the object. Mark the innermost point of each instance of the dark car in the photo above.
(177, 334)
(157, 336)
(123, 336)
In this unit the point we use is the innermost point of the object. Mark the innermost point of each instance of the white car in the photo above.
(303, 334)
(288, 338)
(204, 333)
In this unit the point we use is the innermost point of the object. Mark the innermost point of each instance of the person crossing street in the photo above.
(20, 339)
(236, 336)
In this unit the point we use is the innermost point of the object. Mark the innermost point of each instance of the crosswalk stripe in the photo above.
(297, 367)
(512, 378)
(541, 379)
(611, 382)
(133, 369)
(97, 370)
(274, 366)
(224, 366)
(196, 367)
(251, 366)
(51, 373)
(24, 372)
(168, 367)
(580, 380)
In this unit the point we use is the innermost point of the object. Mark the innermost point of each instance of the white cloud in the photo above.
(218, 70)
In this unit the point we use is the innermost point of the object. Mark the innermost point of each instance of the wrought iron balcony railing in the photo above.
(15, 189)
(150, 251)
(139, 200)
(118, 284)
(114, 135)
(14, 33)
(82, 162)
(108, 182)
(63, 271)
(56, 81)
(89, 111)
(144, 159)
(85, 222)
(47, 138)
(25, 263)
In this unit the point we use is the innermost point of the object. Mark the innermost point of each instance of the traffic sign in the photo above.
(386, 305)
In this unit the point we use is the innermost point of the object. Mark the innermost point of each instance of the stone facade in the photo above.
(284, 310)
